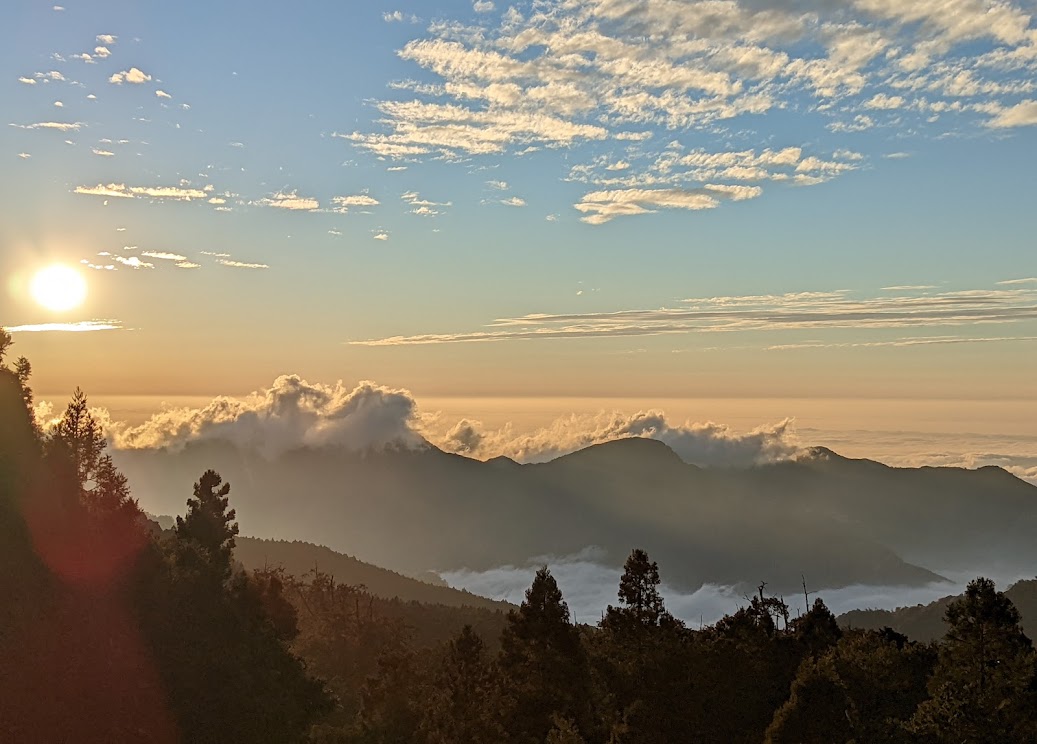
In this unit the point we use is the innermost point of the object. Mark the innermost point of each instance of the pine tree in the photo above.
(643, 606)
(209, 526)
(543, 667)
(641, 654)
(982, 689)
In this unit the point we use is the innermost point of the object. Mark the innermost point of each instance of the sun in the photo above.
(58, 288)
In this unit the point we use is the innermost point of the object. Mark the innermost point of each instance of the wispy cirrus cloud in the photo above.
(241, 264)
(81, 326)
(423, 207)
(803, 311)
(57, 126)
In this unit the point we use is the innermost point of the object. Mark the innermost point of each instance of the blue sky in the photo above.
(582, 196)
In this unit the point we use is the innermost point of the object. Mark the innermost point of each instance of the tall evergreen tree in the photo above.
(544, 671)
(642, 605)
(209, 526)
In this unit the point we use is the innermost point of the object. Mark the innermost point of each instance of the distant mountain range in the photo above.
(925, 622)
(837, 521)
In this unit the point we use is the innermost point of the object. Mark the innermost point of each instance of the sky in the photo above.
(809, 200)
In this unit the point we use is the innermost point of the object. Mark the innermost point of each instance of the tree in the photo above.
(543, 668)
(641, 657)
(225, 662)
(460, 706)
(982, 689)
(639, 592)
(209, 526)
(818, 629)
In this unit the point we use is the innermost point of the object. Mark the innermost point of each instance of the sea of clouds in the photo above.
(589, 587)
(294, 413)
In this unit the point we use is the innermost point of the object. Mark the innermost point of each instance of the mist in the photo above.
(590, 586)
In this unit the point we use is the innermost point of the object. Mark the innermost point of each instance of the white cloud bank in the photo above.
(294, 413)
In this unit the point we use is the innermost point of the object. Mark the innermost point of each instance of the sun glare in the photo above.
(58, 288)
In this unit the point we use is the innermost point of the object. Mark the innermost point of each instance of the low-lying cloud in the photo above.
(704, 444)
(589, 587)
(294, 413)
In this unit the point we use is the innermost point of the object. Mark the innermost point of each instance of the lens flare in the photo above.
(58, 288)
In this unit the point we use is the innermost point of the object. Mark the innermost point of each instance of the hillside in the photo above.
(299, 558)
(841, 522)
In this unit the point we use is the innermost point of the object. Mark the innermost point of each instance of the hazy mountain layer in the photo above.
(299, 558)
(839, 522)
(926, 623)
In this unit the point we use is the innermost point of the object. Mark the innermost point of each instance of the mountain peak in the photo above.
(642, 450)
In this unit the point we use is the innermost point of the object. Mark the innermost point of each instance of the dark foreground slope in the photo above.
(838, 521)
(300, 558)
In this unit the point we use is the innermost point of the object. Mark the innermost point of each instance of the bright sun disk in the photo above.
(58, 288)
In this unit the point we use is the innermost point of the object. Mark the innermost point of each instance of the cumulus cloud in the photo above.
(108, 39)
(162, 94)
(163, 256)
(291, 201)
(600, 207)
(570, 74)
(121, 190)
(132, 75)
(343, 204)
(514, 201)
(134, 262)
(483, 6)
(704, 444)
(291, 413)
(102, 153)
(1021, 115)
(102, 52)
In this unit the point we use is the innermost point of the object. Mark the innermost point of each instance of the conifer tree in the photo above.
(209, 525)
(982, 689)
(641, 655)
(543, 668)
(643, 606)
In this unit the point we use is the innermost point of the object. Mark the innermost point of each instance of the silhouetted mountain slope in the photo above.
(838, 521)
(299, 558)
(925, 622)
(945, 518)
